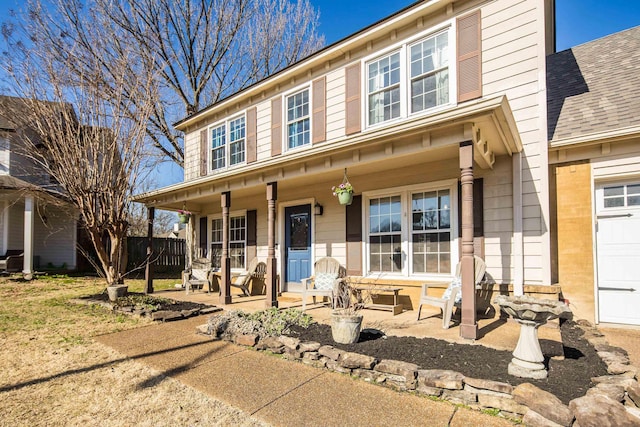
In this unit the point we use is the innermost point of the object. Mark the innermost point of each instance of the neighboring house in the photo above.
(396, 108)
(33, 217)
(594, 156)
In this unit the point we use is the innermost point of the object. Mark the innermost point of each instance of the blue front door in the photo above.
(297, 243)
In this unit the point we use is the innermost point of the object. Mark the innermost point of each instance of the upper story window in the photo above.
(228, 143)
(430, 72)
(384, 88)
(411, 79)
(298, 119)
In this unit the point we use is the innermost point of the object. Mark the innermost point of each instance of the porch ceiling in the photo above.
(488, 123)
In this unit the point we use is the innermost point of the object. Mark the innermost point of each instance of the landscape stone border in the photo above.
(613, 401)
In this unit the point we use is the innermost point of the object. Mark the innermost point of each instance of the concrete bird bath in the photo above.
(530, 313)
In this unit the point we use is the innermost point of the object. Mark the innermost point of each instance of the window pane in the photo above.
(298, 131)
(429, 73)
(614, 202)
(614, 191)
(633, 201)
(431, 236)
(383, 87)
(633, 189)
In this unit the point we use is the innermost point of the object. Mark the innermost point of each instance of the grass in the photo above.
(53, 372)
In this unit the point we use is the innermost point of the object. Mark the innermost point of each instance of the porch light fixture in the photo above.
(318, 209)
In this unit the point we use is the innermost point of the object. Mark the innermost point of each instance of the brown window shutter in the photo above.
(469, 45)
(252, 233)
(319, 95)
(354, 237)
(352, 101)
(203, 235)
(203, 152)
(276, 126)
(252, 135)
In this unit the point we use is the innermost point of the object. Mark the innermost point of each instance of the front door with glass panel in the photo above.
(618, 252)
(297, 244)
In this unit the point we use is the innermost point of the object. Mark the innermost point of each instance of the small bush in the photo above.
(270, 322)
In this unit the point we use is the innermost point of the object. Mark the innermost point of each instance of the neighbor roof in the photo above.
(593, 87)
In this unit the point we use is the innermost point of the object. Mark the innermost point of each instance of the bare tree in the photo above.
(163, 221)
(91, 146)
(199, 51)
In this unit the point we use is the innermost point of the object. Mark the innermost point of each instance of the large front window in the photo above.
(237, 241)
(412, 231)
(298, 126)
(228, 143)
(385, 228)
(412, 79)
(431, 232)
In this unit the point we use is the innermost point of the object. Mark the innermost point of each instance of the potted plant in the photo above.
(183, 216)
(346, 320)
(344, 192)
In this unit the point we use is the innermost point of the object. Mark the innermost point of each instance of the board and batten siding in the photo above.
(511, 65)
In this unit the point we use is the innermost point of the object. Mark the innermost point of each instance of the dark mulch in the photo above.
(164, 303)
(568, 378)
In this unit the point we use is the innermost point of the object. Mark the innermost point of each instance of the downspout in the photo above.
(518, 256)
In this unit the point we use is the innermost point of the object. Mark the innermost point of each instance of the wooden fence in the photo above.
(168, 254)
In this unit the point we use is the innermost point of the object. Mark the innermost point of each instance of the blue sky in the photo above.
(577, 22)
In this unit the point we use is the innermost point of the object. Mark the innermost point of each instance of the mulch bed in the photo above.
(165, 305)
(568, 379)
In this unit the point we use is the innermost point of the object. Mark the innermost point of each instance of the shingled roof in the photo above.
(594, 87)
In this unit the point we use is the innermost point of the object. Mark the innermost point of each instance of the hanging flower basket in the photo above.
(183, 217)
(344, 191)
(345, 198)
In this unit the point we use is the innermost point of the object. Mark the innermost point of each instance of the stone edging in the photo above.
(614, 400)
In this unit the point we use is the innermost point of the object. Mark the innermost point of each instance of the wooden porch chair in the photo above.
(328, 276)
(198, 276)
(242, 280)
(452, 295)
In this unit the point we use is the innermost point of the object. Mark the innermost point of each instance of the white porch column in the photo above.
(27, 268)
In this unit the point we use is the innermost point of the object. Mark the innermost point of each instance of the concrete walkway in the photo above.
(277, 391)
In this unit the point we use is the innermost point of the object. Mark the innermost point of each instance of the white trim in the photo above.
(308, 86)
(280, 248)
(28, 248)
(227, 142)
(594, 250)
(405, 200)
(403, 46)
(236, 213)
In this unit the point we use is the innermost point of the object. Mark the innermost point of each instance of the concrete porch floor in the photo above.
(493, 332)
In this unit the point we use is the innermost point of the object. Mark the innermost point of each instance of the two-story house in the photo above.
(34, 219)
(442, 98)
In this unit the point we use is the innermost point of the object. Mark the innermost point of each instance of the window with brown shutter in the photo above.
(252, 144)
(352, 101)
(469, 57)
(319, 131)
(276, 126)
(203, 152)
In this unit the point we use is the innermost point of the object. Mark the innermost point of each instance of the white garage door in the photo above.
(618, 252)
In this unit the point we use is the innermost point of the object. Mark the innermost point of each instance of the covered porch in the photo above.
(418, 207)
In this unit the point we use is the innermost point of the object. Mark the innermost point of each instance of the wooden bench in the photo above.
(376, 290)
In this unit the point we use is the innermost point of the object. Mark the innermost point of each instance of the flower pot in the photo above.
(345, 329)
(116, 291)
(183, 218)
(345, 198)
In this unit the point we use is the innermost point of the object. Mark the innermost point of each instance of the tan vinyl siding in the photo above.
(511, 66)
